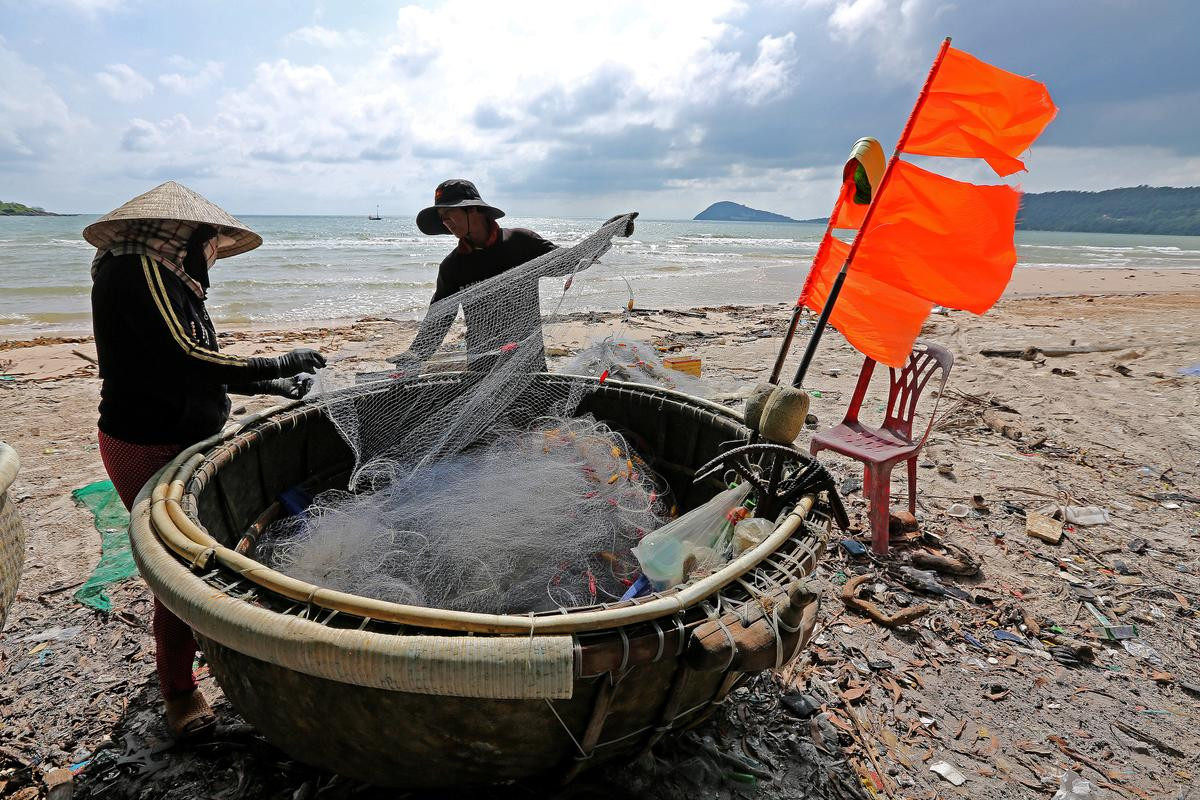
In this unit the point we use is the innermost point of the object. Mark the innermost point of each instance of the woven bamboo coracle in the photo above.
(410, 696)
(12, 532)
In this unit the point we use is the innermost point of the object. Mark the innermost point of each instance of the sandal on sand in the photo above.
(189, 716)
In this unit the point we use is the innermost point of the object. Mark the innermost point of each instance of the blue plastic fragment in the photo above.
(971, 640)
(854, 548)
(638, 588)
(1005, 636)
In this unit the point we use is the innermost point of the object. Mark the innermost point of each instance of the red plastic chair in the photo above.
(881, 449)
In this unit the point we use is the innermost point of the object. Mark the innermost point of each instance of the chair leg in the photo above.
(877, 483)
(912, 485)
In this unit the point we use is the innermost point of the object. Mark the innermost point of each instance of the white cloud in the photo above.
(1097, 168)
(197, 80)
(320, 36)
(894, 33)
(770, 74)
(91, 7)
(33, 117)
(124, 84)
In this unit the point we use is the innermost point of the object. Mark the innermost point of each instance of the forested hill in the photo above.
(1138, 209)
(17, 210)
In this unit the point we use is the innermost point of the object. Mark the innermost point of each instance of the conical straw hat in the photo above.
(172, 200)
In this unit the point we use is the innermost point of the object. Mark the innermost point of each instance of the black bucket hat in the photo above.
(454, 193)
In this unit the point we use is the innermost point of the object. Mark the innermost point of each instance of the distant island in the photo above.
(1162, 210)
(18, 210)
(725, 211)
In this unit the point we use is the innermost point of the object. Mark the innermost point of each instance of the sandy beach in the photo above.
(1114, 428)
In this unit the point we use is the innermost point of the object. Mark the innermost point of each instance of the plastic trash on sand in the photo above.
(949, 772)
(116, 559)
(1083, 516)
(666, 553)
(1073, 787)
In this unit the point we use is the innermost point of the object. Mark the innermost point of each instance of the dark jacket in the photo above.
(164, 378)
(498, 319)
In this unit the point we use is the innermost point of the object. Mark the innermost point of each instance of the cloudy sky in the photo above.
(558, 108)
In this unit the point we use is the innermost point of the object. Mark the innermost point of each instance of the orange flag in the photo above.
(878, 319)
(943, 240)
(974, 110)
(925, 238)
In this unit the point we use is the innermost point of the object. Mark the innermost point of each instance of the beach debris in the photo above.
(905, 616)
(958, 510)
(900, 522)
(951, 560)
(116, 559)
(688, 364)
(1116, 633)
(1192, 371)
(854, 548)
(948, 771)
(60, 784)
(54, 634)
(995, 691)
(1034, 352)
(946, 469)
(1142, 651)
(1044, 527)
(1072, 787)
(1086, 516)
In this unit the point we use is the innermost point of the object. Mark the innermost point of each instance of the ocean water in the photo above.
(333, 268)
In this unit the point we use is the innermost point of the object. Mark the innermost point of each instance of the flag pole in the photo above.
(823, 320)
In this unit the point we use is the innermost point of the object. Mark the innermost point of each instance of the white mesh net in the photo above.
(532, 520)
(505, 349)
(487, 494)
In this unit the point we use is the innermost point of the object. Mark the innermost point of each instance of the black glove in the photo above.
(293, 388)
(302, 359)
(628, 227)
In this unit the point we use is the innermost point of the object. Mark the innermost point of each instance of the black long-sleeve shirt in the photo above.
(163, 376)
(498, 318)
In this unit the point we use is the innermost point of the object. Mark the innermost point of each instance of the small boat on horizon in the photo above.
(375, 215)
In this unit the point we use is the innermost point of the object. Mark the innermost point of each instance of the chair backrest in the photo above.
(906, 387)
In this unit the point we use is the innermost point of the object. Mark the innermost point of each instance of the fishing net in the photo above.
(484, 491)
(626, 359)
(531, 520)
(505, 348)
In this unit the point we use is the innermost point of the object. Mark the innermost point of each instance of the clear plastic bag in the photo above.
(693, 539)
(750, 533)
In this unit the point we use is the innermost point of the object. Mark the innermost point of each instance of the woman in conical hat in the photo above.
(164, 380)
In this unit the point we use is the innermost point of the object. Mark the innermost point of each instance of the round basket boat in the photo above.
(12, 532)
(409, 696)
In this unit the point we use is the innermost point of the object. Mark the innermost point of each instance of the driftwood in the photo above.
(903, 617)
(1033, 351)
(955, 561)
(1010, 428)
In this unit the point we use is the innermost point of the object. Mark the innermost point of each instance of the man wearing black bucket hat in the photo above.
(484, 251)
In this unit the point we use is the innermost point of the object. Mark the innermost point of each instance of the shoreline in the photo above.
(1026, 283)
